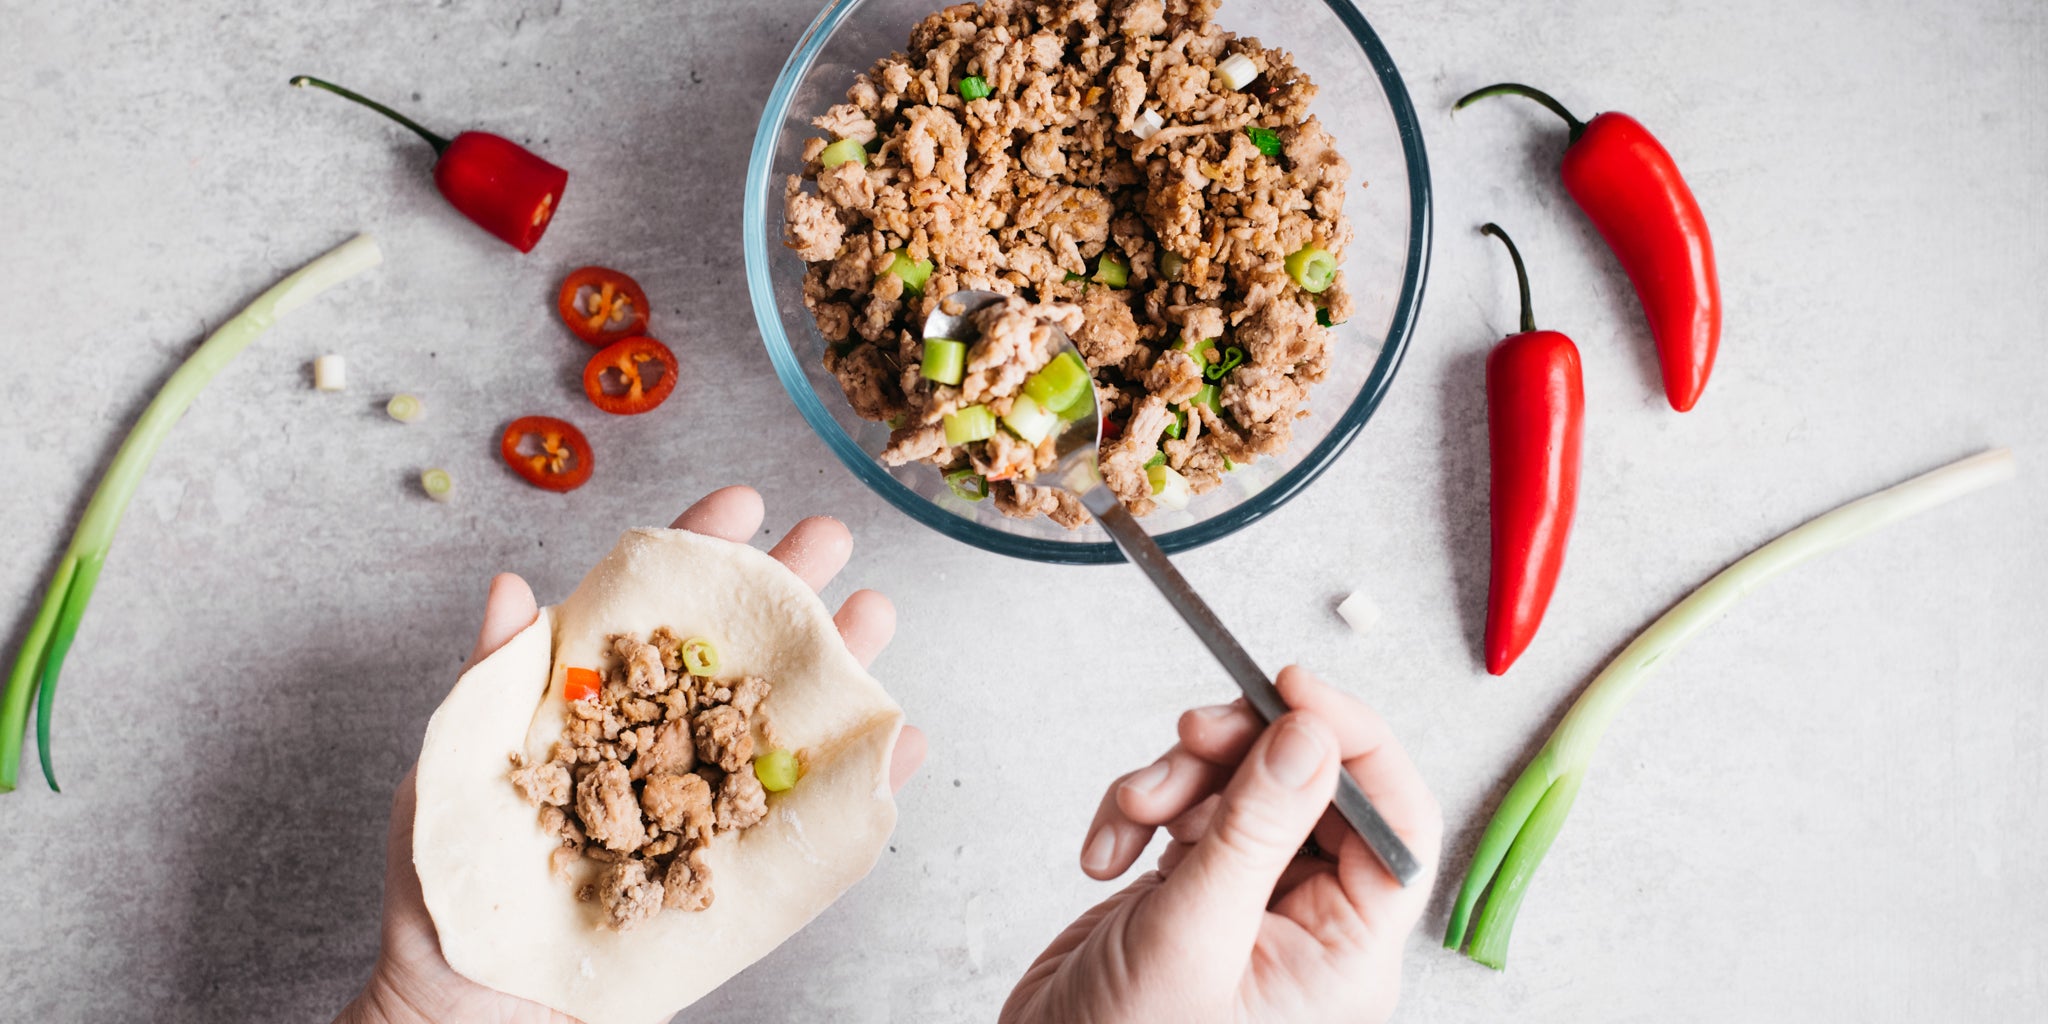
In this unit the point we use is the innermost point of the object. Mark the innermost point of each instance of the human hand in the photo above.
(412, 982)
(1244, 920)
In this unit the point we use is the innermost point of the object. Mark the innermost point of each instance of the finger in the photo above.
(1192, 826)
(1220, 733)
(1166, 788)
(728, 513)
(907, 756)
(508, 608)
(1221, 888)
(1301, 871)
(1172, 855)
(815, 549)
(1114, 842)
(867, 622)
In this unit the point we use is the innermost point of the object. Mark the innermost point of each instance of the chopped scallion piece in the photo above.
(967, 484)
(1080, 408)
(438, 484)
(973, 423)
(1170, 264)
(1323, 317)
(843, 151)
(1210, 397)
(1359, 612)
(1202, 352)
(404, 407)
(973, 87)
(1111, 271)
(1266, 139)
(1229, 466)
(1178, 425)
(913, 272)
(945, 360)
(1236, 71)
(1157, 460)
(1147, 124)
(699, 657)
(1233, 357)
(1169, 488)
(777, 770)
(1060, 383)
(1030, 420)
(330, 373)
(1072, 277)
(1312, 268)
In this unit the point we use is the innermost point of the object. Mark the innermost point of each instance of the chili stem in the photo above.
(440, 144)
(1521, 273)
(1578, 127)
(41, 658)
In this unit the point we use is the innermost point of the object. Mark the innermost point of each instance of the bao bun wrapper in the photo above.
(506, 922)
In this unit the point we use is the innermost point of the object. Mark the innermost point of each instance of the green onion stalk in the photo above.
(1534, 809)
(41, 657)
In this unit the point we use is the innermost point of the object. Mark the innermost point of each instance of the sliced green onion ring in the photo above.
(970, 424)
(438, 484)
(913, 272)
(1111, 271)
(1169, 488)
(1030, 420)
(1060, 383)
(405, 407)
(945, 360)
(778, 770)
(1266, 139)
(699, 657)
(973, 87)
(1209, 397)
(1312, 268)
(843, 151)
(967, 484)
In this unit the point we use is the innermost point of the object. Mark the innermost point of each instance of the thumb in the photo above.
(1219, 891)
(509, 609)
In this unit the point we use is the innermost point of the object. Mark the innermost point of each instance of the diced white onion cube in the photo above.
(1147, 123)
(330, 373)
(1359, 612)
(1237, 71)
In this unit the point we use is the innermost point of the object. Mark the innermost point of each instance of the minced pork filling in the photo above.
(1127, 159)
(648, 770)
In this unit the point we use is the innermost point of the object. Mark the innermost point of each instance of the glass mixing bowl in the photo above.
(1365, 107)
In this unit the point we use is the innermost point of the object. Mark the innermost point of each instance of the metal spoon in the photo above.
(1078, 445)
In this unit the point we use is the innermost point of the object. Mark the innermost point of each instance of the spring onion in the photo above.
(913, 272)
(1359, 612)
(973, 87)
(438, 484)
(1073, 277)
(56, 623)
(330, 373)
(1534, 809)
(1233, 357)
(1323, 317)
(1266, 139)
(1210, 398)
(1147, 124)
(1178, 425)
(1059, 383)
(1169, 488)
(1030, 420)
(843, 151)
(1170, 264)
(1111, 271)
(699, 657)
(1157, 460)
(1080, 407)
(973, 423)
(967, 484)
(945, 360)
(405, 407)
(1202, 352)
(777, 770)
(1312, 268)
(1236, 71)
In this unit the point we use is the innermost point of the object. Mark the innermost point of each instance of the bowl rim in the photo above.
(796, 384)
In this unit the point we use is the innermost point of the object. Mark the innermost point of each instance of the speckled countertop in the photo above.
(1828, 808)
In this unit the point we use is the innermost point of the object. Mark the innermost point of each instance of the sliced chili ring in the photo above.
(557, 460)
(616, 378)
(602, 305)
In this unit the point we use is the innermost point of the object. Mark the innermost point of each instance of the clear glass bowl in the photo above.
(1363, 104)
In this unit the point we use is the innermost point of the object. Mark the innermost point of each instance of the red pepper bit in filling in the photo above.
(606, 306)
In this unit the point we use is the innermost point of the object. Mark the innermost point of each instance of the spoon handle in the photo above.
(1139, 548)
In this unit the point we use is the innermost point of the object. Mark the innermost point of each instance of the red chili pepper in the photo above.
(1631, 190)
(504, 188)
(628, 360)
(559, 459)
(602, 305)
(1535, 405)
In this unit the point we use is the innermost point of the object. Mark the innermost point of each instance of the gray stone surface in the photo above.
(1827, 808)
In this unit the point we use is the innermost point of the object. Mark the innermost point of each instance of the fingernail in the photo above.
(1295, 754)
(1099, 850)
(1148, 778)
(1215, 711)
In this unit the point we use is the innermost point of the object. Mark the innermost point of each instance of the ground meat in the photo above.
(678, 803)
(741, 801)
(545, 783)
(604, 800)
(687, 883)
(749, 694)
(1027, 191)
(642, 670)
(671, 750)
(628, 896)
(722, 738)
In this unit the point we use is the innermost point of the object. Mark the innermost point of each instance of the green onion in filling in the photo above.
(1209, 397)
(916, 272)
(841, 152)
(973, 423)
(973, 87)
(1030, 420)
(1111, 271)
(945, 360)
(1312, 268)
(1157, 461)
(1169, 488)
(967, 484)
(1059, 384)
(1266, 139)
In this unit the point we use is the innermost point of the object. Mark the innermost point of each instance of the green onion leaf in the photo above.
(1072, 277)
(404, 407)
(843, 151)
(967, 484)
(1312, 268)
(1323, 317)
(1177, 425)
(1533, 811)
(1169, 488)
(913, 272)
(1210, 397)
(41, 658)
(945, 360)
(1111, 271)
(1157, 460)
(1061, 383)
(777, 770)
(438, 484)
(973, 87)
(973, 423)
(1266, 139)
(699, 657)
(1030, 420)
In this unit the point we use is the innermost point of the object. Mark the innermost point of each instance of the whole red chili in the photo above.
(1535, 406)
(1631, 190)
(504, 188)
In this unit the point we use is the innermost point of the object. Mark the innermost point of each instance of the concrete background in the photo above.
(1826, 808)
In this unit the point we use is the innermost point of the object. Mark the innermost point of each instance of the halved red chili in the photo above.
(550, 454)
(602, 305)
(619, 380)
